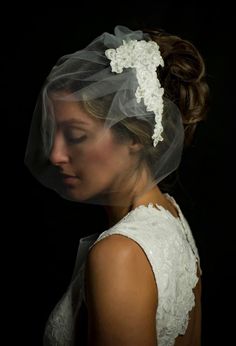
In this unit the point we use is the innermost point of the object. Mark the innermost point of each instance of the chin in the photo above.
(86, 198)
(76, 196)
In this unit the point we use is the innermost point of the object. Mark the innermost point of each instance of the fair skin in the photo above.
(121, 294)
(90, 161)
(121, 291)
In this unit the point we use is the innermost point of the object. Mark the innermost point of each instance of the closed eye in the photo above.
(75, 140)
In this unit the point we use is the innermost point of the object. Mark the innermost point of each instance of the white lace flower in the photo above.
(145, 57)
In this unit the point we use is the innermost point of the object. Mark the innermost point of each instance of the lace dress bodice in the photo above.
(170, 248)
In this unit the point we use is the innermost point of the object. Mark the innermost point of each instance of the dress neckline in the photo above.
(155, 206)
(159, 208)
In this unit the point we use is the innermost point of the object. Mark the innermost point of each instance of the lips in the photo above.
(69, 179)
(65, 175)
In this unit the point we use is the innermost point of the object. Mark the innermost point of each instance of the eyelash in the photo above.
(76, 140)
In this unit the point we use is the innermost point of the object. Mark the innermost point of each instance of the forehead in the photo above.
(68, 110)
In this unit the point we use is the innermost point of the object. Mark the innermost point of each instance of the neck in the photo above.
(153, 195)
(116, 213)
(123, 200)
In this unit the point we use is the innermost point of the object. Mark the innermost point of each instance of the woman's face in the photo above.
(90, 161)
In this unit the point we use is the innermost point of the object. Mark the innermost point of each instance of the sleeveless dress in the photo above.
(171, 250)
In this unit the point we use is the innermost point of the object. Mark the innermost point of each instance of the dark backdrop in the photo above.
(42, 229)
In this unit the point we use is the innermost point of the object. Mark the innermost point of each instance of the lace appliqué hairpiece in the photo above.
(145, 57)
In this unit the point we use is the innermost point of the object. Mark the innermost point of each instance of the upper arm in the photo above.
(121, 294)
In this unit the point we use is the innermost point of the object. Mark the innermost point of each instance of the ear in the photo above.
(135, 147)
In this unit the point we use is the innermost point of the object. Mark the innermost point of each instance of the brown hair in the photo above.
(183, 78)
(184, 81)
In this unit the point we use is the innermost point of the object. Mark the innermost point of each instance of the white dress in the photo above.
(171, 250)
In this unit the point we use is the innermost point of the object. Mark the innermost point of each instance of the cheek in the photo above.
(100, 158)
(108, 157)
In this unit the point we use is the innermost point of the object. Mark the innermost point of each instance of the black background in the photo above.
(43, 230)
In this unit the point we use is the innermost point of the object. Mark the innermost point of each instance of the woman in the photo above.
(109, 126)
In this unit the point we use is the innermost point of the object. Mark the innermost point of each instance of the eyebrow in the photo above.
(72, 121)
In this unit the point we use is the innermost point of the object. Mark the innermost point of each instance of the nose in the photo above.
(59, 154)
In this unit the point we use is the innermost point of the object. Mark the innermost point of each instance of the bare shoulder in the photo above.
(116, 250)
(116, 242)
(121, 293)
